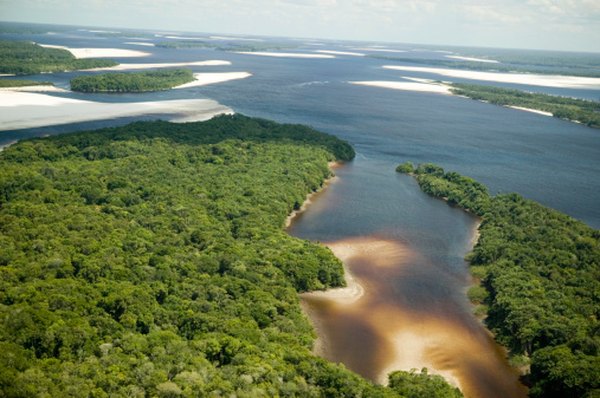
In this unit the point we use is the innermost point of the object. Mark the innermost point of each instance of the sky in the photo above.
(572, 25)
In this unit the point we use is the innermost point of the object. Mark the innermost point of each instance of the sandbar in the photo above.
(121, 67)
(285, 55)
(138, 43)
(36, 88)
(100, 52)
(459, 57)
(383, 50)
(406, 86)
(182, 37)
(559, 81)
(20, 110)
(203, 79)
(332, 52)
(531, 110)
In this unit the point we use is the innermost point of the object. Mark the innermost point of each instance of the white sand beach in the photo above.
(182, 37)
(332, 52)
(531, 110)
(383, 50)
(203, 79)
(36, 89)
(139, 43)
(406, 86)
(19, 110)
(559, 81)
(132, 66)
(461, 58)
(100, 52)
(285, 55)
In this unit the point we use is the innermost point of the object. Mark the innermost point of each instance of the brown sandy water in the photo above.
(405, 306)
(376, 329)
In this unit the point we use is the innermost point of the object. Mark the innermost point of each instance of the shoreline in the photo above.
(407, 339)
(308, 200)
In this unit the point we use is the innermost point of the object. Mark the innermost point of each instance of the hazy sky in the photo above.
(544, 24)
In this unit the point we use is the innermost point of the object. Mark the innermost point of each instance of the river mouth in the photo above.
(396, 314)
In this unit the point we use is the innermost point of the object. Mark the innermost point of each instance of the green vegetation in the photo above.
(419, 385)
(541, 270)
(406, 168)
(22, 83)
(133, 82)
(26, 58)
(586, 112)
(151, 260)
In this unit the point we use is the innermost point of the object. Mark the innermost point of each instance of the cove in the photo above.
(405, 305)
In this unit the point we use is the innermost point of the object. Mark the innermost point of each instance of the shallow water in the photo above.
(406, 249)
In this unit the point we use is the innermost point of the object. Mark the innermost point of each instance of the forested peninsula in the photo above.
(541, 273)
(133, 82)
(572, 109)
(151, 260)
(27, 58)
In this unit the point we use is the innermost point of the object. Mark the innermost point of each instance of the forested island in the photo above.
(151, 260)
(22, 83)
(27, 58)
(572, 109)
(520, 64)
(540, 270)
(133, 82)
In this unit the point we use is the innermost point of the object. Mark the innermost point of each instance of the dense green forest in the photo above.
(586, 112)
(22, 83)
(541, 273)
(27, 58)
(151, 260)
(133, 82)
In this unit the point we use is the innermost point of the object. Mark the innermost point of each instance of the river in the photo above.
(405, 248)
(405, 306)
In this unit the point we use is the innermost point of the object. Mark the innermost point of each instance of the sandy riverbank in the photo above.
(472, 59)
(378, 49)
(203, 79)
(559, 81)
(100, 52)
(36, 88)
(530, 110)
(309, 198)
(20, 110)
(332, 52)
(425, 87)
(140, 43)
(136, 66)
(285, 55)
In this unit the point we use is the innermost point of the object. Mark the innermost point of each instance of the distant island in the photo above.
(572, 109)
(133, 82)
(585, 67)
(27, 58)
(540, 282)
